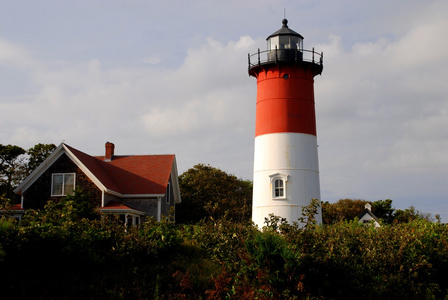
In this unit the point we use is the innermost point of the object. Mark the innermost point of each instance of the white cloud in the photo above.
(152, 60)
(204, 92)
(172, 121)
(382, 113)
(14, 55)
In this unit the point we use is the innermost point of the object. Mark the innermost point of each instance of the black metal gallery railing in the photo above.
(284, 55)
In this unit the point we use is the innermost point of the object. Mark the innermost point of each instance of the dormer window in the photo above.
(278, 186)
(62, 184)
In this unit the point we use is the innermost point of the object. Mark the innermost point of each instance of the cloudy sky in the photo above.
(171, 77)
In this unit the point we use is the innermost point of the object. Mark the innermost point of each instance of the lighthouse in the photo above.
(286, 170)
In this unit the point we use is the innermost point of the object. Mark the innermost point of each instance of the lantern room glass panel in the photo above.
(273, 43)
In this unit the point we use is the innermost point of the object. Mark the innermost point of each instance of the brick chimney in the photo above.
(110, 147)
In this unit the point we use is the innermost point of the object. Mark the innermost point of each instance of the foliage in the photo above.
(5, 203)
(71, 208)
(69, 251)
(275, 223)
(38, 154)
(16, 164)
(11, 158)
(309, 213)
(343, 209)
(389, 262)
(383, 210)
(66, 252)
(210, 192)
(410, 214)
(348, 209)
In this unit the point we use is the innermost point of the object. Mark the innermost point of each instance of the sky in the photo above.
(159, 77)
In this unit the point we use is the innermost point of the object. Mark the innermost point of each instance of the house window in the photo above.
(168, 193)
(62, 184)
(278, 185)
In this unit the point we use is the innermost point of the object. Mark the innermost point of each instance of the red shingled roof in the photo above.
(130, 175)
(14, 207)
(112, 205)
(115, 205)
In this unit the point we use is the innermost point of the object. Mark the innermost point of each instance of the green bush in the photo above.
(61, 253)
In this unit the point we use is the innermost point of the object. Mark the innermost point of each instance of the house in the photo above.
(367, 217)
(130, 186)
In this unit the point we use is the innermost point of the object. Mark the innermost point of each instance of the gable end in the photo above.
(39, 192)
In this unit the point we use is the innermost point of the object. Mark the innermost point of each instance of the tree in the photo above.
(71, 208)
(343, 209)
(11, 160)
(309, 213)
(383, 210)
(208, 191)
(348, 209)
(38, 154)
(410, 214)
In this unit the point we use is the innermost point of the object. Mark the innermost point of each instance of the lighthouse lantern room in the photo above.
(286, 172)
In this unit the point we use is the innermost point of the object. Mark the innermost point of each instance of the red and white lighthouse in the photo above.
(286, 171)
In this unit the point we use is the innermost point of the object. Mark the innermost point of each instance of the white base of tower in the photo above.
(291, 157)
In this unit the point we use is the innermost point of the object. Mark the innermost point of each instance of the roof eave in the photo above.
(175, 181)
(120, 195)
(142, 195)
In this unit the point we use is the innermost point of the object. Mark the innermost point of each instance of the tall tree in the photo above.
(38, 154)
(11, 160)
(210, 192)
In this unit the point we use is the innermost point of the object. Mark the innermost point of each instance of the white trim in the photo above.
(132, 195)
(175, 182)
(168, 193)
(112, 192)
(140, 195)
(159, 208)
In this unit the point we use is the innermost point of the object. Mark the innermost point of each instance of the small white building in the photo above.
(367, 216)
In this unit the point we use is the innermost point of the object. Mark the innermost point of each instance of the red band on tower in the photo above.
(285, 101)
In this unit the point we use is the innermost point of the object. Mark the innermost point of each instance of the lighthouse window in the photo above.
(278, 185)
(279, 188)
(273, 43)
